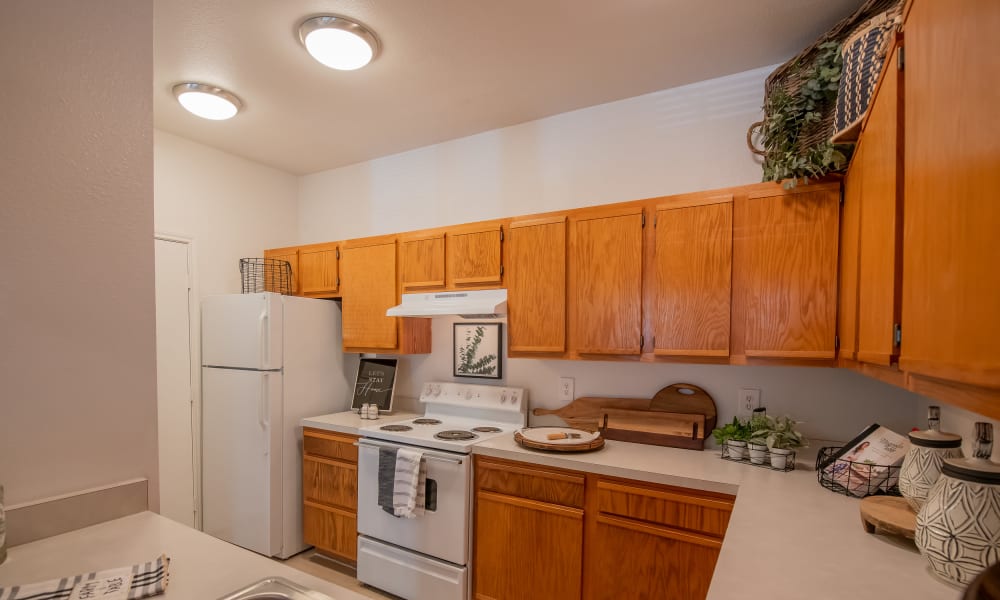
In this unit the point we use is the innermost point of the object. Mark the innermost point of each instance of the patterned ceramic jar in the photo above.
(922, 464)
(958, 528)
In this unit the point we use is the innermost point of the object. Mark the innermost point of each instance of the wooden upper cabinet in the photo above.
(785, 251)
(850, 254)
(319, 270)
(291, 255)
(422, 261)
(880, 265)
(536, 285)
(606, 281)
(950, 287)
(692, 280)
(474, 256)
(370, 290)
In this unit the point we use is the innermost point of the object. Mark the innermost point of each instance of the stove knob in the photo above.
(468, 394)
(437, 390)
(503, 397)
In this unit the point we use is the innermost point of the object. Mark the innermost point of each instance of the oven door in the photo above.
(443, 530)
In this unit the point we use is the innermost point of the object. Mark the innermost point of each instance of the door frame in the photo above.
(194, 351)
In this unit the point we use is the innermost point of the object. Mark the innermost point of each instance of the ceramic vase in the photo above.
(779, 458)
(737, 449)
(758, 453)
(958, 528)
(922, 464)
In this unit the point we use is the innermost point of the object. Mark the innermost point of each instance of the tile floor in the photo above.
(320, 566)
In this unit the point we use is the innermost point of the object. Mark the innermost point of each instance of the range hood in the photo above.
(478, 304)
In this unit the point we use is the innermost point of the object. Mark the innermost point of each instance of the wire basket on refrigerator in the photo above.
(266, 275)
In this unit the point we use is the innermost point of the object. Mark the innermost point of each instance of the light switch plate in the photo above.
(747, 400)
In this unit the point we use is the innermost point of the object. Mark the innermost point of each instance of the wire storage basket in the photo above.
(855, 478)
(787, 463)
(266, 275)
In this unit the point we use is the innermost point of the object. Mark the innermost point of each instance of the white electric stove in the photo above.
(456, 417)
(427, 557)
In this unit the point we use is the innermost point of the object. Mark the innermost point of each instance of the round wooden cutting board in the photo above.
(888, 514)
(562, 445)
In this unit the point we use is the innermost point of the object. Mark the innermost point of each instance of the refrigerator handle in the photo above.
(262, 413)
(263, 339)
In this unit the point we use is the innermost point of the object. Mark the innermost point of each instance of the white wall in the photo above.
(684, 139)
(231, 207)
(672, 141)
(78, 408)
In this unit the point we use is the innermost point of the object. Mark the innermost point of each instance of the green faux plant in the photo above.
(780, 432)
(738, 430)
(758, 426)
(786, 116)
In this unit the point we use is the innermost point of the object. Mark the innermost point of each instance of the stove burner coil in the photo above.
(395, 428)
(487, 429)
(455, 434)
(426, 421)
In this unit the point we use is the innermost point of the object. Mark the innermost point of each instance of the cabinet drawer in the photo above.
(330, 530)
(330, 482)
(330, 445)
(534, 483)
(666, 506)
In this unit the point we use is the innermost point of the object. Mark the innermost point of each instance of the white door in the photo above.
(242, 331)
(173, 382)
(241, 457)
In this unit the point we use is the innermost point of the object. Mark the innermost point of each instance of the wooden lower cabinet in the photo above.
(547, 533)
(330, 493)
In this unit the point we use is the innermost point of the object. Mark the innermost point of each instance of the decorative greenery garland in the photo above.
(786, 116)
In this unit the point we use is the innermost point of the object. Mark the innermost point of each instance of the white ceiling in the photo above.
(450, 68)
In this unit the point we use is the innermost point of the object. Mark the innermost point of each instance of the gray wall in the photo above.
(78, 407)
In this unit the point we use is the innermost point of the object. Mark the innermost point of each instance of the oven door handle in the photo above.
(369, 444)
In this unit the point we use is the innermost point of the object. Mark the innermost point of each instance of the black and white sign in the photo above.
(376, 383)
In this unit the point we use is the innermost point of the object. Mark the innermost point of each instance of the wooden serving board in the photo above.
(594, 444)
(888, 514)
(667, 419)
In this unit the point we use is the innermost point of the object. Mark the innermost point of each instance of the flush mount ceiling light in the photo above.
(207, 101)
(338, 43)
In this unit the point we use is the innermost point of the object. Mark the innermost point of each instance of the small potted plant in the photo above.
(734, 437)
(781, 438)
(758, 426)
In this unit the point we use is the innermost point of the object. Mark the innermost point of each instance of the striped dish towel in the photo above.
(408, 484)
(148, 579)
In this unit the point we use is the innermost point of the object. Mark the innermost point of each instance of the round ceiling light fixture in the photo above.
(207, 101)
(338, 43)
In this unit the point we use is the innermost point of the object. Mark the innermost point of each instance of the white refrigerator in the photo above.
(267, 361)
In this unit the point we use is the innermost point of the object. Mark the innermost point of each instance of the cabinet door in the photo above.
(474, 257)
(787, 270)
(319, 273)
(951, 291)
(422, 261)
(527, 550)
(606, 267)
(536, 285)
(370, 273)
(693, 291)
(880, 220)
(332, 530)
(632, 559)
(850, 254)
(271, 281)
(330, 482)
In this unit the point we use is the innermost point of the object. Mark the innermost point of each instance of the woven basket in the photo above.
(789, 76)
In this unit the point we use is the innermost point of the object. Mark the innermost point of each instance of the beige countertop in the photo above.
(788, 538)
(349, 421)
(201, 567)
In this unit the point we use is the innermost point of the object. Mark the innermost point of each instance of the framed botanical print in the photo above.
(477, 350)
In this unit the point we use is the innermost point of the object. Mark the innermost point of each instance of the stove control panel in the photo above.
(474, 396)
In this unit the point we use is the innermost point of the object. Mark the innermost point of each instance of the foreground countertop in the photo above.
(201, 567)
(349, 421)
(788, 538)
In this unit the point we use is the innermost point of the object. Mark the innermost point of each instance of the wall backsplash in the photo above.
(834, 404)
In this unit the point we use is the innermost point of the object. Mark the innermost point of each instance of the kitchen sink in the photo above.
(275, 588)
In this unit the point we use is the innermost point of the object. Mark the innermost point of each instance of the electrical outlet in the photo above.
(566, 389)
(748, 400)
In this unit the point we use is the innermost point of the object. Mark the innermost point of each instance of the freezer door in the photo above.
(242, 331)
(241, 457)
